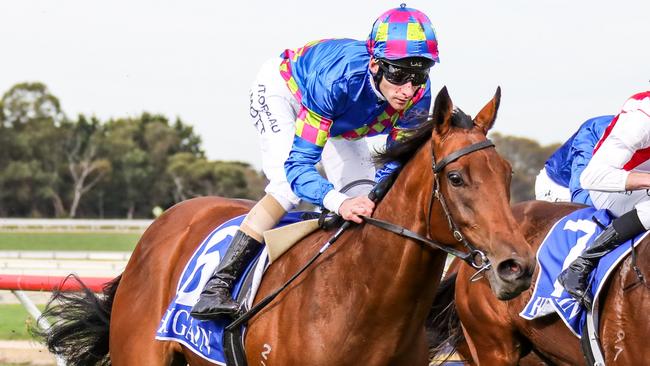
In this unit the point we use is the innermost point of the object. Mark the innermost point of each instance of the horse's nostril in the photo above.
(510, 270)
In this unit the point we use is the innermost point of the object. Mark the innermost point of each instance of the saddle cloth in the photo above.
(205, 337)
(564, 243)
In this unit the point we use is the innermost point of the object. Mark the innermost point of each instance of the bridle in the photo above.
(474, 257)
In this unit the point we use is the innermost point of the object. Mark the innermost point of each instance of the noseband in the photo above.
(474, 257)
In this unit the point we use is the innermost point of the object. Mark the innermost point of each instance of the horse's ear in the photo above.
(442, 109)
(486, 117)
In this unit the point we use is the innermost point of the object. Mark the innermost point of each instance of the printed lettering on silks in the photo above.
(205, 337)
(260, 112)
(565, 242)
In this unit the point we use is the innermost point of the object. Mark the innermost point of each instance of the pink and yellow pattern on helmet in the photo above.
(403, 32)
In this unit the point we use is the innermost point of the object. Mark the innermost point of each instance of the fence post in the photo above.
(42, 323)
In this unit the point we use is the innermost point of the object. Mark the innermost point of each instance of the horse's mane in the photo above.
(418, 136)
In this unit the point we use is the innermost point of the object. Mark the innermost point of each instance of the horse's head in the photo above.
(474, 183)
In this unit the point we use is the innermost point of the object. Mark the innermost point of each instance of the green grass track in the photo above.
(68, 241)
(15, 321)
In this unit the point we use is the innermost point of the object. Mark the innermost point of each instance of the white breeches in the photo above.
(621, 202)
(547, 190)
(273, 112)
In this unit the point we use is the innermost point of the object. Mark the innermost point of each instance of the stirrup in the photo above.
(585, 298)
(216, 311)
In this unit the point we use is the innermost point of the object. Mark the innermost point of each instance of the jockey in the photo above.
(559, 179)
(316, 103)
(618, 179)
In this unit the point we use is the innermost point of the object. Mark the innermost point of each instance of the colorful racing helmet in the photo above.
(403, 33)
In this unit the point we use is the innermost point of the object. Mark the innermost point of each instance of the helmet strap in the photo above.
(377, 79)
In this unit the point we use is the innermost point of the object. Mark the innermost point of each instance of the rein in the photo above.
(474, 257)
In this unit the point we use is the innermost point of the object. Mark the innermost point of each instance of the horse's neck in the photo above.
(407, 202)
(409, 272)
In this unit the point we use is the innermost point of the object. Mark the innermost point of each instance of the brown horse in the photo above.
(495, 334)
(365, 300)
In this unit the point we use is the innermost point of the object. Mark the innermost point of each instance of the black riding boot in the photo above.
(216, 299)
(575, 278)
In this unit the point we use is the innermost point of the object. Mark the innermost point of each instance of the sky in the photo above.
(558, 62)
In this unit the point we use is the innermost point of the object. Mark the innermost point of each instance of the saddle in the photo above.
(220, 341)
(205, 338)
(565, 241)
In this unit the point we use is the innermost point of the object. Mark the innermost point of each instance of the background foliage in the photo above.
(55, 166)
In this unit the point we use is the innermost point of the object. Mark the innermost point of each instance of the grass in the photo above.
(15, 320)
(68, 241)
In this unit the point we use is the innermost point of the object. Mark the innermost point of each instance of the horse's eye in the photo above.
(455, 179)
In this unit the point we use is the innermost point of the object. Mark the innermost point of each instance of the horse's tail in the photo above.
(80, 324)
(443, 327)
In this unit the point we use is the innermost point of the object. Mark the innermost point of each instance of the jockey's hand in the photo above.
(352, 207)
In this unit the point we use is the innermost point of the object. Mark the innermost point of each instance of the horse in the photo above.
(491, 332)
(365, 300)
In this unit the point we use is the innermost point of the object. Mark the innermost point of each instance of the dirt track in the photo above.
(25, 353)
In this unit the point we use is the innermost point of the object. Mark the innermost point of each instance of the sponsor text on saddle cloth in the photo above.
(566, 240)
(205, 337)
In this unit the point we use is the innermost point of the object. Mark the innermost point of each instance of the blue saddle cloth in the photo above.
(565, 242)
(205, 337)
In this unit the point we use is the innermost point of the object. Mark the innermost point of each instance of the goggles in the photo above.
(400, 75)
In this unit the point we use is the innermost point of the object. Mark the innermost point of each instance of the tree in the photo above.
(182, 169)
(53, 166)
(188, 140)
(141, 150)
(232, 180)
(195, 176)
(22, 185)
(131, 182)
(6, 146)
(31, 141)
(85, 167)
(30, 101)
(527, 158)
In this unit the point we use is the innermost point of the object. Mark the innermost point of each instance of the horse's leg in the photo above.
(417, 354)
(149, 281)
(141, 299)
(488, 332)
(624, 317)
(132, 332)
(491, 347)
(550, 338)
(420, 354)
(148, 284)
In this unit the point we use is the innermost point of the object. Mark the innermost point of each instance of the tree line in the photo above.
(55, 166)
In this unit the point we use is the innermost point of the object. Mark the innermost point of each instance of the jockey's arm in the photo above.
(611, 167)
(605, 172)
(310, 186)
(637, 180)
(304, 179)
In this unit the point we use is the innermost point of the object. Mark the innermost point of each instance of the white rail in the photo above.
(23, 262)
(15, 224)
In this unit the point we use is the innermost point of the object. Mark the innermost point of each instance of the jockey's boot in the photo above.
(575, 278)
(216, 299)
